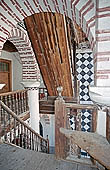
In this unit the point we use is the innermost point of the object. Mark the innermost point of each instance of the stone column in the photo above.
(33, 100)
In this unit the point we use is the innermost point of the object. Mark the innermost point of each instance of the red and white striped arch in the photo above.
(30, 69)
(80, 11)
(86, 13)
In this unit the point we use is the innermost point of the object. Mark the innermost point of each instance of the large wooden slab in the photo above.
(96, 145)
(48, 36)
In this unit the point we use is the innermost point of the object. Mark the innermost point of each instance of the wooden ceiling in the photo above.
(49, 37)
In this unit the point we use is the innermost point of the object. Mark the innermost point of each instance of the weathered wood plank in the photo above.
(61, 149)
(96, 145)
(47, 34)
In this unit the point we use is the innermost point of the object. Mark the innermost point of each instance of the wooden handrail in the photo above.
(20, 120)
(17, 101)
(80, 106)
(63, 112)
(13, 92)
(20, 131)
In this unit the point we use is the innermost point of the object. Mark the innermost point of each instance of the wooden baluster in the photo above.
(19, 103)
(14, 103)
(0, 121)
(6, 100)
(36, 143)
(22, 107)
(9, 102)
(24, 138)
(24, 100)
(4, 122)
(94, 120)
(47, 146)
(30, 140)
(27, 108)
(14, 141)
(16, 99)
(108, 125)
(18, 134)
(21, 136)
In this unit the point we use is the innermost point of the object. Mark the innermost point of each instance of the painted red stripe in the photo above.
(107, 38)
(74, 6)
(2, 38)
(103, 15)
(102, 31)
(87, 4)
(105, 9)
(45, 2)
(28, 7)
(2, 15)
(7, 6)
(2, 41)
(35, 3)
(102, 76)
(103, 72)
(88, 28)
(102, 53)
(85, 12)
(101, 59)
(55, 6)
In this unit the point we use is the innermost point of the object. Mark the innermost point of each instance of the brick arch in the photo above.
(81, 12)
(30, 69)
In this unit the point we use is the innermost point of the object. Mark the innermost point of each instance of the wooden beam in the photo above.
(96, 145)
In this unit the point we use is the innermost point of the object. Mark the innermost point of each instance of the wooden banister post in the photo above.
(60, 139)
(108, 125)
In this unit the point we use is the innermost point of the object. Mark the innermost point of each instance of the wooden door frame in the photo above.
(10, 71)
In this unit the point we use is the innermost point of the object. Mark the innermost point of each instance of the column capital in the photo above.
(31, 85)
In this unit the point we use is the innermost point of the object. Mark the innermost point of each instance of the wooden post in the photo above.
(108, 126)
(60, 140)
(94, 120)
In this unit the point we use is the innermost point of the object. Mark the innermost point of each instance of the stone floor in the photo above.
(15, 158)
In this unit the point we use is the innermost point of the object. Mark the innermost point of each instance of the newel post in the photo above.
(60, 139)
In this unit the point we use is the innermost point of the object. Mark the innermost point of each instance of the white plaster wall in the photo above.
(101, 123)
(16, 68)
(49, 129)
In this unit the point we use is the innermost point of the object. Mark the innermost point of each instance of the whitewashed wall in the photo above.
(16, 68)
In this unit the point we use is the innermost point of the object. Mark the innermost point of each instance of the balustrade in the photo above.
(63, 113)
(16, 131)
(17, 101)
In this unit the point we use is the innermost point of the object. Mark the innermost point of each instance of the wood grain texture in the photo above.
(96, 145)
(47, 32)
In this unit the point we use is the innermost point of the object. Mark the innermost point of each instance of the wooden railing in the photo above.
(17, 101)
(43, 94)
(14, 130)
(63, 112)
